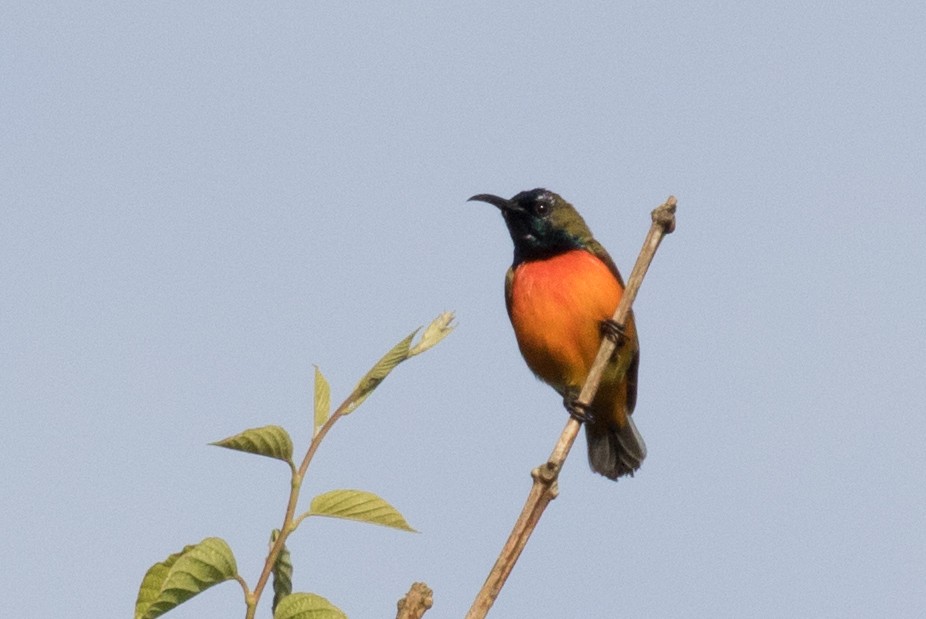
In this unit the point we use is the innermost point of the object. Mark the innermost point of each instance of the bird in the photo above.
(560, 292)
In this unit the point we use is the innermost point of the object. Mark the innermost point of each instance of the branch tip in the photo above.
(416, 602)
(664, 215)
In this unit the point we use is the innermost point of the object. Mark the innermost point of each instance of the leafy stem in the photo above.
(197, 567)
(290, 523)
(434, 333)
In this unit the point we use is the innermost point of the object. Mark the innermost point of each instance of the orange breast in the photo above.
(556, 308)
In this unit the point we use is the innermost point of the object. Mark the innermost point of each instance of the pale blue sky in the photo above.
(202, 200)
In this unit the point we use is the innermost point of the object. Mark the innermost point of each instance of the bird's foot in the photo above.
(578, 410)
(613, 331)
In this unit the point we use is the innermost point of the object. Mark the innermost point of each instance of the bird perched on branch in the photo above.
(561, 292)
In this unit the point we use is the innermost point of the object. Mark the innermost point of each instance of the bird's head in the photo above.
(541, 223)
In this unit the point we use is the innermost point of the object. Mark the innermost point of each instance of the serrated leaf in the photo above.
(358, 505)
(270, 441)
(379, 371)
(282, 572)
(439, 328)
(307, 606)
(322, 399)
(183, 575)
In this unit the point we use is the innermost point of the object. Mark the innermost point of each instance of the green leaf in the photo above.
(270, 441)
(439, 328)
(307, 606)
(358, 505)
(378, 372)
(282, 572)
(322, 399)
(184, 574)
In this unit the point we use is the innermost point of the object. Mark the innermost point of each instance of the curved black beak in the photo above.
(503, 204)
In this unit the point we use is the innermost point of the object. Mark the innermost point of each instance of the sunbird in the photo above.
(561, 291)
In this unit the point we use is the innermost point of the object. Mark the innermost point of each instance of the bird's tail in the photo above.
(614, 452)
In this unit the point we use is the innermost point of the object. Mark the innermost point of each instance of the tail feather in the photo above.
(614, 452)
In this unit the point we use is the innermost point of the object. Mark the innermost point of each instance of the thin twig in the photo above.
(544, 488)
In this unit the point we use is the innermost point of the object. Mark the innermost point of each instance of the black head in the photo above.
(541, 223)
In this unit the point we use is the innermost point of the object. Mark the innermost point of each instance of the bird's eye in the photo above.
(541, 208)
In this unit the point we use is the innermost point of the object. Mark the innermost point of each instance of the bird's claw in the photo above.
(578, 410)
(613, 331)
